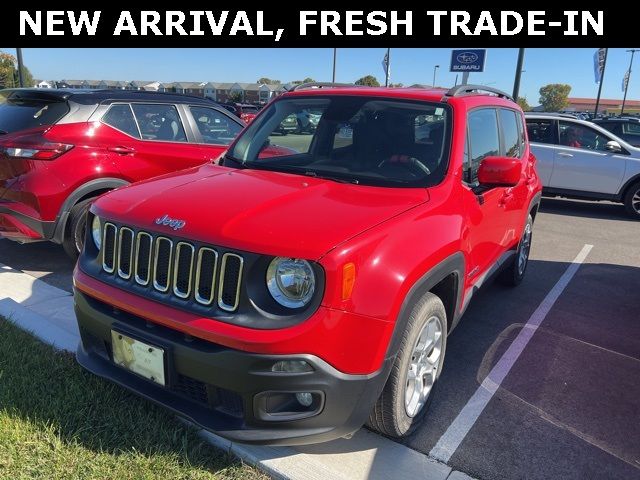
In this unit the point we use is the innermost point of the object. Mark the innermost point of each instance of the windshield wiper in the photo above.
(352, 181)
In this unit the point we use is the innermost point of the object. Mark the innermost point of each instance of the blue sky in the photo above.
(542, 66)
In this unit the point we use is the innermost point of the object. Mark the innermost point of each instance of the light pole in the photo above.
(19, 55)
(335, 54)
(516, 81)
(626, 85)
(435, 69)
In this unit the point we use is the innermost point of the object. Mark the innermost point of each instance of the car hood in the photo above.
(259, 211)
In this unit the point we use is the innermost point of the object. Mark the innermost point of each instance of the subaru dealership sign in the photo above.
(468, 60)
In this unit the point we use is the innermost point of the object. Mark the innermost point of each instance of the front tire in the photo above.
(74, 234)
(632, 201)
(408, 392)
(514, 273)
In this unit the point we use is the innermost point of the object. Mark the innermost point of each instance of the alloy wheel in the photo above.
(525, 246)
(423, 366)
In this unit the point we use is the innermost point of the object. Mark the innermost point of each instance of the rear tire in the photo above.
(408, 392)
(632, 201)
(514, 274)
(74, 234)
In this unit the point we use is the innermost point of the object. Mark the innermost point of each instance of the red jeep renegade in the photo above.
(307, 284)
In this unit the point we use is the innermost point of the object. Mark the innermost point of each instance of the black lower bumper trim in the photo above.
(231, 380)
(42, 228)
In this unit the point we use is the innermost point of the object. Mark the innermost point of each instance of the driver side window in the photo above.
(576, 135)
(484, 141)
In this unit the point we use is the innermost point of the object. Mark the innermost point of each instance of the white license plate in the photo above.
(138, 357)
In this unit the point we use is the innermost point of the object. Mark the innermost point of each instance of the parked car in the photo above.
(289, 124)
(289, 297)
(578, 159)
(307, 121)
(627, 128)
(61, 149)
(244, 111)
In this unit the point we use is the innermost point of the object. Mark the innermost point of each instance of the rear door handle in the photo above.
(564, 154)
(120, 150)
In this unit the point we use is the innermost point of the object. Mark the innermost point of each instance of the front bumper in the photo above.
(17, 226)
(221, 389)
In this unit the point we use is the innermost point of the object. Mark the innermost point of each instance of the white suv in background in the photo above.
(578, 159)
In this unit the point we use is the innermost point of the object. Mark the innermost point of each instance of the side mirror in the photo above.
(613, 146)
(499, 172)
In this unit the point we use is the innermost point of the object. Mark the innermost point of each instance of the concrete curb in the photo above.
(47, 313)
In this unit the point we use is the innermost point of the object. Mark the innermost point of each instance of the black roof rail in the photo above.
(304, 86)
(460, 90)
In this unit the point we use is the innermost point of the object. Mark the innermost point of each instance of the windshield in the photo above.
(19, 113)
(356, 139)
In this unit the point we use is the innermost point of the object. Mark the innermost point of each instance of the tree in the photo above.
(7, 68)
(236, 97)
(268, 81)
(369, 81)
(524, 105)
(396, 85)
(554, 97)
(300, 82)
(9, 72)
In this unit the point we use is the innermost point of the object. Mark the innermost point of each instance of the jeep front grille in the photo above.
(178, 269)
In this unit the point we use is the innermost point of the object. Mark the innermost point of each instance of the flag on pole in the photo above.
(625, 81)
(385, 64)
(598, 64)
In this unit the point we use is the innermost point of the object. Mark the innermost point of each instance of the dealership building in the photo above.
(607, 105)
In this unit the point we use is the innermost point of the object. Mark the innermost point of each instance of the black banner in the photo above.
(291, 26)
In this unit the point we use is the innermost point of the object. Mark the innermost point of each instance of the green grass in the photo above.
(59, 422)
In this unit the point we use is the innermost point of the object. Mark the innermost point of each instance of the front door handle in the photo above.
(120, 150)
(565, 154)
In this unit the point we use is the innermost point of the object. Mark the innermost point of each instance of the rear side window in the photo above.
(613, 127)
(215, 127)
(541, 131)
(120, 117)
(24, 113)
(159, 122)
(484, 140)
(632, 128)
(510, 133)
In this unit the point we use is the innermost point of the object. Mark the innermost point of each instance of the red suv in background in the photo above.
(307, 284)
(244, 111)
(60, 149)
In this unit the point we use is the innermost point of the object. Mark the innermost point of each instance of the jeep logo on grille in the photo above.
(170, 222)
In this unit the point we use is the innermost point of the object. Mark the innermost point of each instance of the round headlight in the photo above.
(291, 281)
(96, 231)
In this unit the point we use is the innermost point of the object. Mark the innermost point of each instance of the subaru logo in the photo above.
(467, 57)
(167, 221)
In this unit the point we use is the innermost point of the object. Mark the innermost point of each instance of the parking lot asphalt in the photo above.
(570, 406)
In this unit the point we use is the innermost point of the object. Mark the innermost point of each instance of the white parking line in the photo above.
(458, 430)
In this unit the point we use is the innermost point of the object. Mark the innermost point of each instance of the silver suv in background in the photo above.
(578, 159)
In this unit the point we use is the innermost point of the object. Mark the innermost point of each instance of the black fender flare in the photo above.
(454, 264)
(82, 191)
(534, 204)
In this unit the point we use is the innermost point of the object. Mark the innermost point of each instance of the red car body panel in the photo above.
(257, 208)
(327, 334)
(392, 235)
(39, 188)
